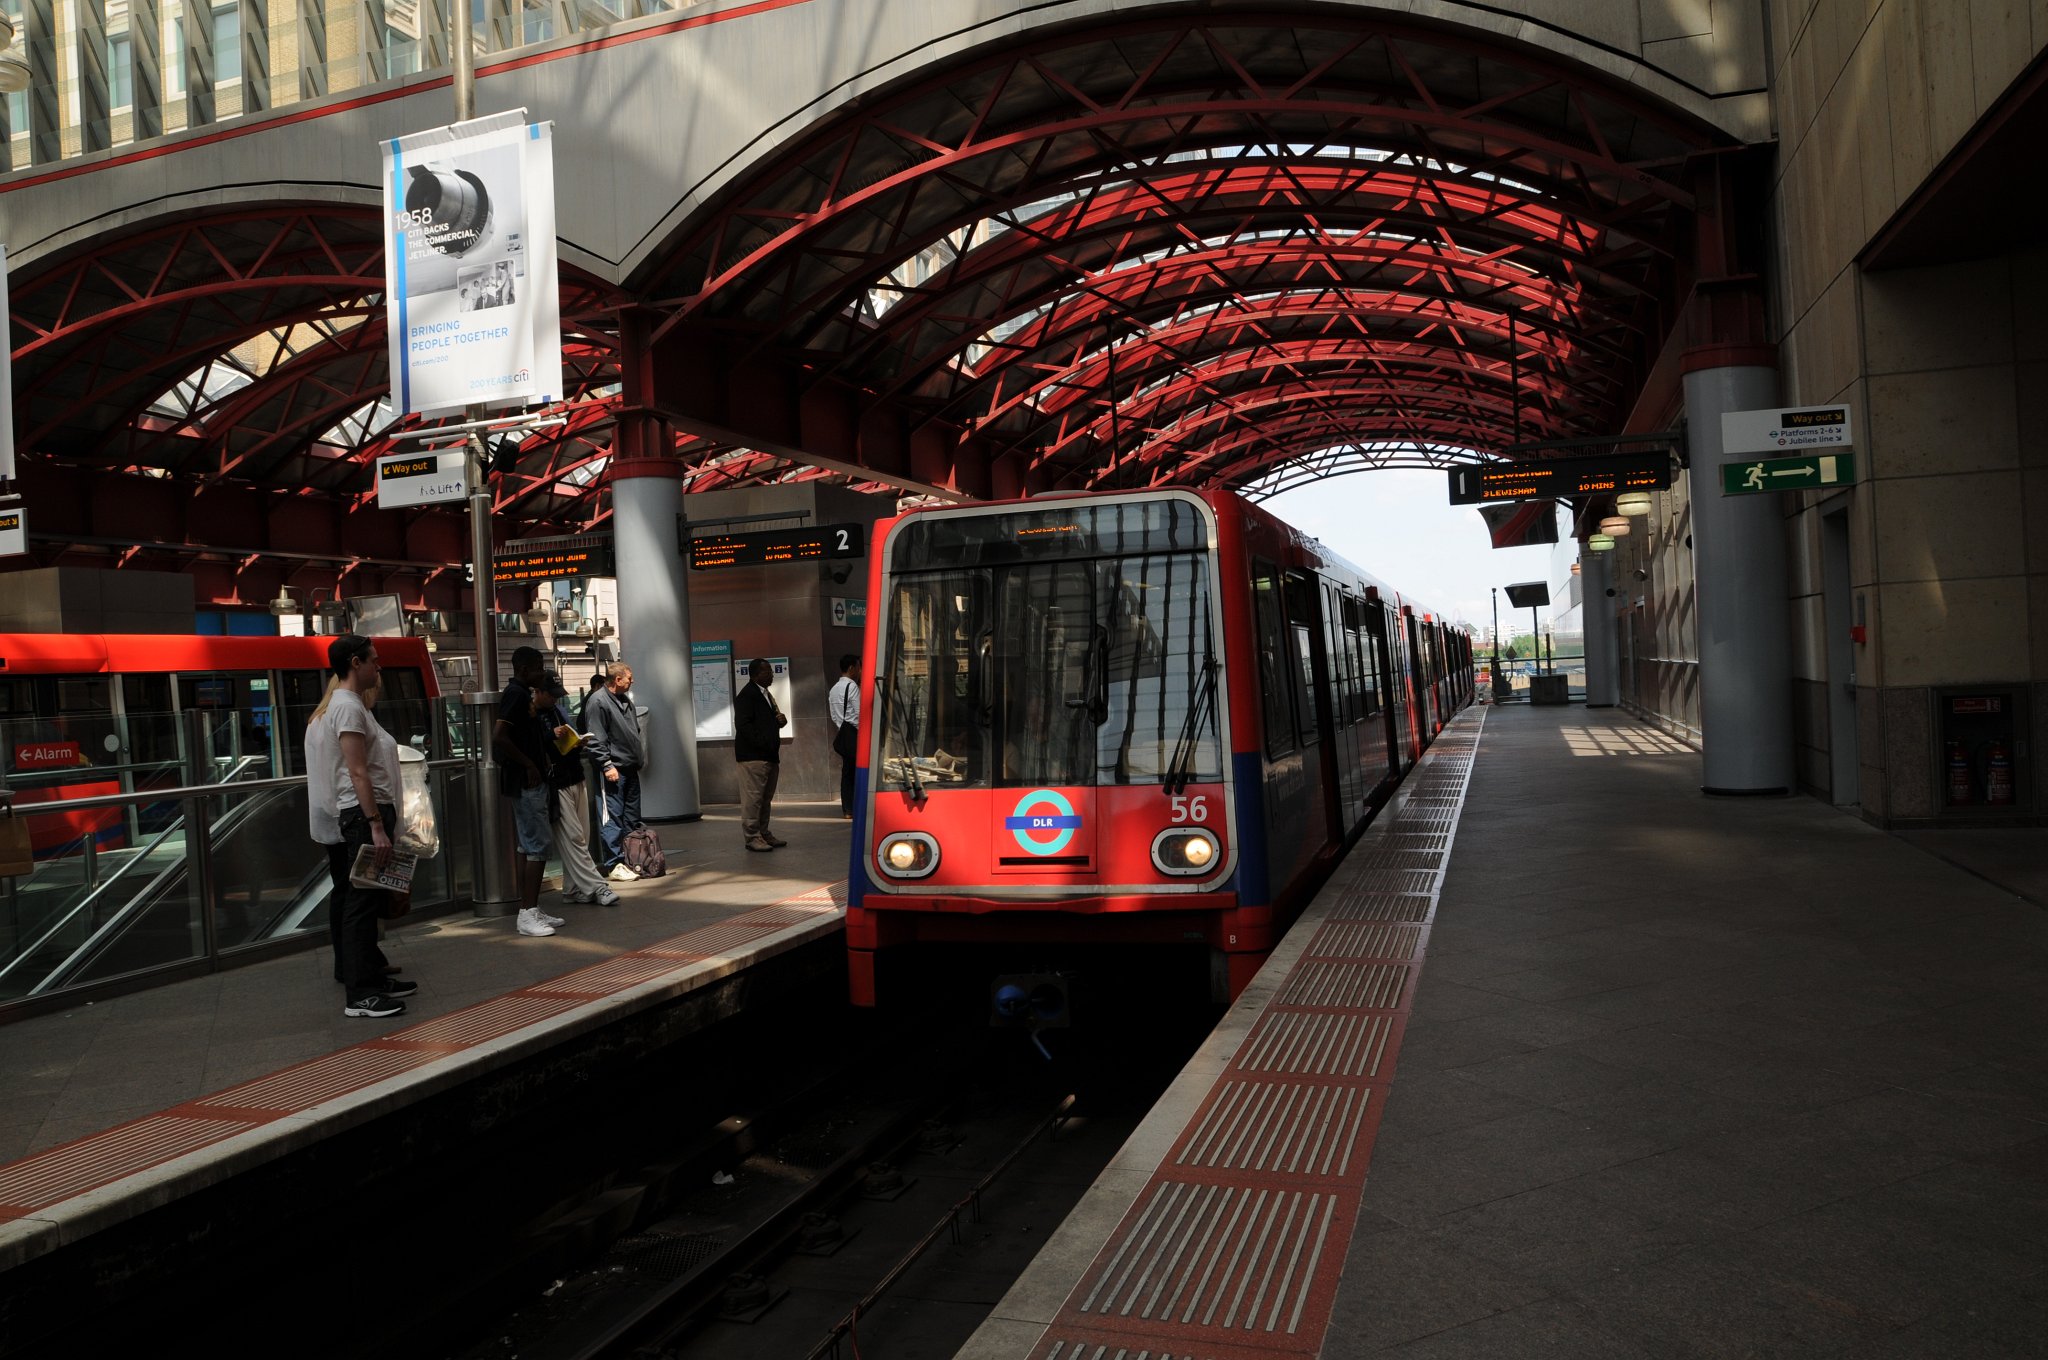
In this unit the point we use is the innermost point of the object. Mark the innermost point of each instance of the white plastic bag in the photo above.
(418, 833)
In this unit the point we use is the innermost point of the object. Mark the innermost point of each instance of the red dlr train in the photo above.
(1124, 719)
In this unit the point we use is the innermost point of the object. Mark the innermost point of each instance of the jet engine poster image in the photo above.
(470, 270)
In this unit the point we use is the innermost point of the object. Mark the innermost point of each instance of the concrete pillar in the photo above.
(1739, 564)
(1596, 612)
(654, 626)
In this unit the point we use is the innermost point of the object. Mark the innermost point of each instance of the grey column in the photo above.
(654, 629)
(372, 33)
(39, 39)
(89, 68)
(1596, 611)
(145, 65)
(255, 40)
(199, 64)
(1738, 548)
(312, 49)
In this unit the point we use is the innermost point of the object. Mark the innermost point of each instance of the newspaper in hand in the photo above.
(396, 876)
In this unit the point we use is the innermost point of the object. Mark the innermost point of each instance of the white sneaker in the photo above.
(531, 922)
(621, 874)
(548, 920)
(577, 899)
(607, 898)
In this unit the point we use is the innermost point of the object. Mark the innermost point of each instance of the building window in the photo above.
(120, 71)
(174, 61)
(227, 44)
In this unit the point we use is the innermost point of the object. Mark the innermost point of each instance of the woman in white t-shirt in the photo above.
(327, 786)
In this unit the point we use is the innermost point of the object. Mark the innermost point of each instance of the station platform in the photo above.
(1570, 1059)
(122, 1105)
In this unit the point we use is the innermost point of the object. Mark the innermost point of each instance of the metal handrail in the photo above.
(184, 793)
(147, 892)
(289, 781)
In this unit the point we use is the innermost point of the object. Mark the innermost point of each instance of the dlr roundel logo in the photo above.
(1043, 812)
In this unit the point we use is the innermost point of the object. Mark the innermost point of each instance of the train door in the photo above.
(1393, 709)
(1337, 606)
(235, 732)
(1312, 698)
(1286, 790)
(1373, 746)
(1418, 682)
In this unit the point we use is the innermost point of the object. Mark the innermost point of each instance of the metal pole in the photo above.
(465, 61)
(494, 892)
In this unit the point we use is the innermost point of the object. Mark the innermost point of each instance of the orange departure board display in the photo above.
(769, 547)
(1557, 478)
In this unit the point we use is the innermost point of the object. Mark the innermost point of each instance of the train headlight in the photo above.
(909, 854)
(1184, 851)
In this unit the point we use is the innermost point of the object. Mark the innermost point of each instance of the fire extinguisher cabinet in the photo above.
(1982, 767)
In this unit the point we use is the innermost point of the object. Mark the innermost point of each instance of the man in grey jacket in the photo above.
(611, 733)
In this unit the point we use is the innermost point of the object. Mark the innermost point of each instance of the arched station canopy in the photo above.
(1193, 248)
(1206, 246)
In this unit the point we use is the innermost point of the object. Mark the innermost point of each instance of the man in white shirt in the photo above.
(844, 705)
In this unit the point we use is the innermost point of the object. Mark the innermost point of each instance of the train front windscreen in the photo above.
(1060, 647)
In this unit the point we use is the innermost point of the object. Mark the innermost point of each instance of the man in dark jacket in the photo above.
(611, 733)
(757, 746)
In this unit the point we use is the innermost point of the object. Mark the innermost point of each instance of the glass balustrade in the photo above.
(137, 871)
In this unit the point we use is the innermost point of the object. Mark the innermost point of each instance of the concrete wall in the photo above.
(89, 600)
(782, 611)
(1939, 366)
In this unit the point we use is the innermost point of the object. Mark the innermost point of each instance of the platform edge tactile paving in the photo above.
(1282, 1138)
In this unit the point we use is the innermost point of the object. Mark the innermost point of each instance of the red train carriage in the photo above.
(1155, 717)
(86, 714)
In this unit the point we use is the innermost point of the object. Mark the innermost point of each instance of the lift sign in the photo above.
(1026, 822)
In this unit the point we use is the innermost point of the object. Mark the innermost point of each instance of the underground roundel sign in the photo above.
(1043, 822)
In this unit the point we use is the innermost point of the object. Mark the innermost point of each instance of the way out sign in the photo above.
(1781, 431)
(421, 479)
(1812, 473)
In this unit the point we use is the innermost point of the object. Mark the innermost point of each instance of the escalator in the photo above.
(90, 917)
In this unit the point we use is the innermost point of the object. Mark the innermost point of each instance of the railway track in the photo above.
(870, 1206)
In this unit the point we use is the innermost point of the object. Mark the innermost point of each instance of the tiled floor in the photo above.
(1703, 1078)
(70, 1073)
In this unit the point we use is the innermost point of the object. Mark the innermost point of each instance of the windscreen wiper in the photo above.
(1181, 769)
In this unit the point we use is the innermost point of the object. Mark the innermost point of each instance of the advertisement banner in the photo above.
(6, 382)
(474, 312)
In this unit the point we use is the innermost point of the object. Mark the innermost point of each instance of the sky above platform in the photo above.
(1398, 525)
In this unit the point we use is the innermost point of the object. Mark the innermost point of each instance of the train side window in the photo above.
(1274, 685)
(1301, 616)
(1345, 697)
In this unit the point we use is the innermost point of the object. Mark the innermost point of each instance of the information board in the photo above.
(553, 564)
(771, 547)
(711, 689)
(1557, 478)
(13, 531)
(421, 479)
